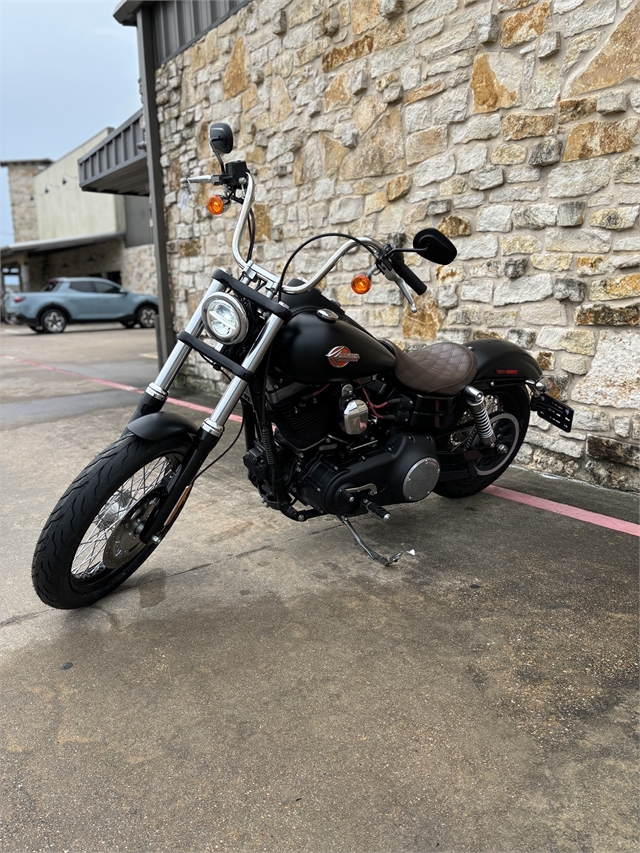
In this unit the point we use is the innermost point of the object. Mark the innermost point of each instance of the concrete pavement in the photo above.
(262, 685)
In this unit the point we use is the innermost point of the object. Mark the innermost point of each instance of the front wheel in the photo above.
(89, 544)
(146, 316)
(508, 409)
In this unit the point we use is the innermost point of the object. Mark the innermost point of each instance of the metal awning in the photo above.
(38, 247)
(126, 11)
(118, 164)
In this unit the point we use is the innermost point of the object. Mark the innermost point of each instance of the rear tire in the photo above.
(509, 412)
(88, 546)
(53, 321)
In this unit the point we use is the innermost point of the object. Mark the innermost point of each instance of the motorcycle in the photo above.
(335, 421)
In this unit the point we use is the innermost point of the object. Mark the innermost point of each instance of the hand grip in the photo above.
(415, 282)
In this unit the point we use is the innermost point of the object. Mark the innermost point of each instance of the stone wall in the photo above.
(24, 215)
(139, 269)
(136, 265)
(93, 260)
(510, 125)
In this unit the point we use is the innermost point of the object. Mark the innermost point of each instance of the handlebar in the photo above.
(399, 267)
(407, 274)
(333, 260)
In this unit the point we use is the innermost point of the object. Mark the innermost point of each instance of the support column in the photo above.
(166, 335)
(24, 273)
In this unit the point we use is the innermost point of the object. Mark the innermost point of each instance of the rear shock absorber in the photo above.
(478, 409)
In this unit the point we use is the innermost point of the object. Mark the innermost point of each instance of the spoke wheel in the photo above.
(91, 541)
(508, 409)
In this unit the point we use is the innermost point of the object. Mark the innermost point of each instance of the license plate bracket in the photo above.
(553, 411)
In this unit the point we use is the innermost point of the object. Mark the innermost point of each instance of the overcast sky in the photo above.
(68, 71)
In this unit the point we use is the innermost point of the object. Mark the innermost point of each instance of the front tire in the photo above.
(146, 316)
(89, 546)
(508, 409)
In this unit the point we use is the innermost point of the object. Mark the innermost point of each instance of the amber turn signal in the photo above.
(361, 284)
(215, 205)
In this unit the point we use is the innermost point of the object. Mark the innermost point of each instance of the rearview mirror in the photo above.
(221, 137)
(434, 246)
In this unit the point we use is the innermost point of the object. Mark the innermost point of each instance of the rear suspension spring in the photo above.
(478, 409)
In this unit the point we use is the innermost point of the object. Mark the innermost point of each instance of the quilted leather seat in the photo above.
(443, 368)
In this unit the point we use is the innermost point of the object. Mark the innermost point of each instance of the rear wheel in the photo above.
(53, 321)
(508, 409)
(146, 316)
(90, 543)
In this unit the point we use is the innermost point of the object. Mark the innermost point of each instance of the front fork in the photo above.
(212, 428)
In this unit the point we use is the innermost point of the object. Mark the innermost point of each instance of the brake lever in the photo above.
(393, 276)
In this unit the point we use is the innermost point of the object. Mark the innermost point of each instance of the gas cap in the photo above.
(327, 315)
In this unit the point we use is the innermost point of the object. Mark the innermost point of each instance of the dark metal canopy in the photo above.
(118, 164)
(36, 247)
(126, 12)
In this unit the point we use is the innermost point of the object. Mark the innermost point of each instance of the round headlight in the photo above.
(224, 318)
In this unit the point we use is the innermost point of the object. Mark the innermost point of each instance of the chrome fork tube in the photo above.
(214, 424)
(172, 366)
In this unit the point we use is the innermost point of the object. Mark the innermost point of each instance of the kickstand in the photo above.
(368, 551)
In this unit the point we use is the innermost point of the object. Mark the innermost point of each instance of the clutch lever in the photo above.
(392, 275)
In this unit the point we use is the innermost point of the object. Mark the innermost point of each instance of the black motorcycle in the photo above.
(335, 421)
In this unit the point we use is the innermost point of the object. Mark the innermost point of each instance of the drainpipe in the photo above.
(165, 334)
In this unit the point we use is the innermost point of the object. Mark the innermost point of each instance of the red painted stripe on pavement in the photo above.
(565, 509)
(117, 385)
(596, 518)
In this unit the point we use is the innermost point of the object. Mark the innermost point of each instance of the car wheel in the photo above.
(146, 316)
(53, 321)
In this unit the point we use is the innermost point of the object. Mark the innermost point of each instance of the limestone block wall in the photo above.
(93, 260)
(138, 269)
(513, 126)
(24, 214)
(136, 265)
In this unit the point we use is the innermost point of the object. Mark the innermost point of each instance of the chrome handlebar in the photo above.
(251, 267)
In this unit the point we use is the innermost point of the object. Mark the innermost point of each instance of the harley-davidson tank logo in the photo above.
(341, 356)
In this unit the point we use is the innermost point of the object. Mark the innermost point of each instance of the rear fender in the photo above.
(501, 362)
(160, 425)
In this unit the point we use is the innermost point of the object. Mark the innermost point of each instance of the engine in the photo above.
(404, 470)
(334, 452)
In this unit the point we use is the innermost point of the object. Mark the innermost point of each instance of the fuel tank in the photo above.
(320, 343)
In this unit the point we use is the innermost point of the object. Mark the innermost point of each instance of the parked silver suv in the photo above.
(80, 300)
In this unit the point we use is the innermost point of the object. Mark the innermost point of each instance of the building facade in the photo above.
(61, 231)
(512, 126)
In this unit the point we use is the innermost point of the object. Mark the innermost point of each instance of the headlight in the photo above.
(224, 318)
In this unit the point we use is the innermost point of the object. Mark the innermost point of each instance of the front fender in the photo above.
(159, 425)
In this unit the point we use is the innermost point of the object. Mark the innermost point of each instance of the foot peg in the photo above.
(369, 551)
(377, 510)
